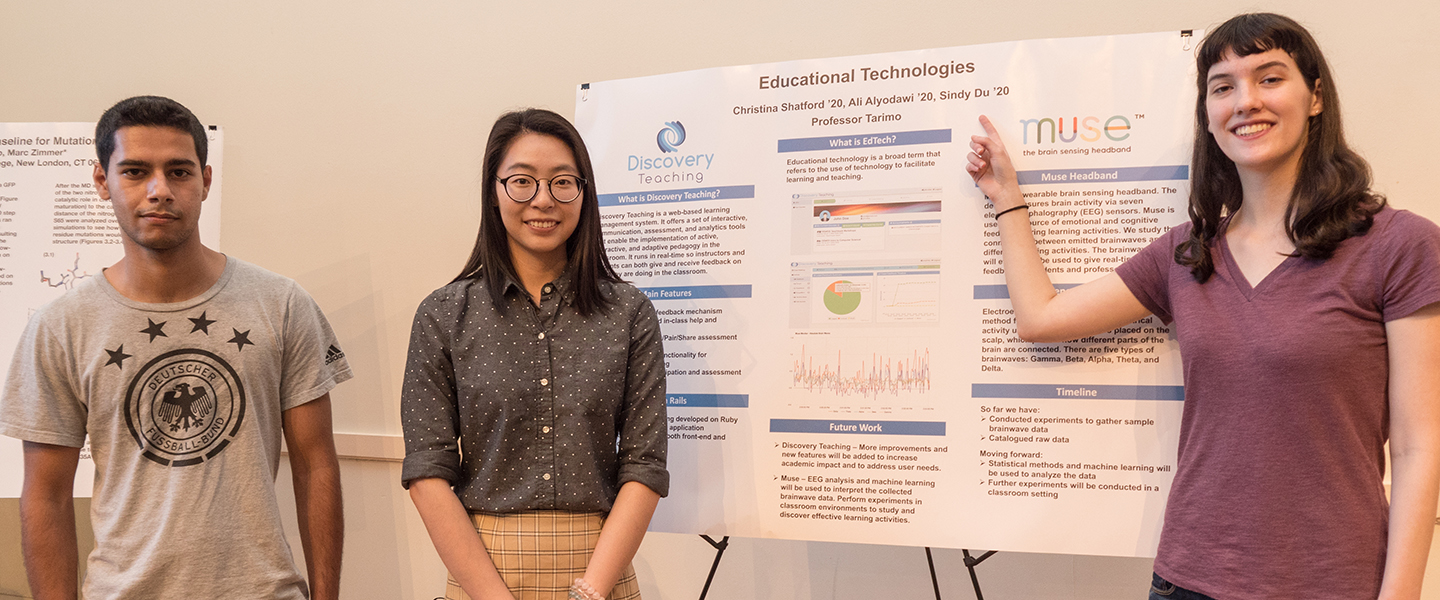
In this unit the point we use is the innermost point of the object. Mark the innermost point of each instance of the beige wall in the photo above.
(353, 137)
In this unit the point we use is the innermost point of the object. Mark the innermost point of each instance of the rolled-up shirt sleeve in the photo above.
(643, 439)
(428, 410)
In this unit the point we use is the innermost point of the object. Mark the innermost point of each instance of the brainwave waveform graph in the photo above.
(876, 375)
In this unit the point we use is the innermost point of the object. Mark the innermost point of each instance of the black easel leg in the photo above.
(933, 581)
(970, 563)
(719, 552)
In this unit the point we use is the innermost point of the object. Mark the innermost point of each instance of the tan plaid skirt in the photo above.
(539, 553)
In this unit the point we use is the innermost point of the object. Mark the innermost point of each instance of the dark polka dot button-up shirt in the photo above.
(535, 408)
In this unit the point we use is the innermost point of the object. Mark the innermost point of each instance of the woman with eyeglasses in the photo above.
(534, 394)
(1308, 317)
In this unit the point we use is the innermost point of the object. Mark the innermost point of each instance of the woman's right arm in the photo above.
(431, 419)
(1042, 315)
(455, 539)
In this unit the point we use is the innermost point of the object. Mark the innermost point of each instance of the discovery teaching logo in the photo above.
(671, 166)
(670, 137)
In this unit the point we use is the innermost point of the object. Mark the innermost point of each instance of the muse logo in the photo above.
(1116, 128)
(670, 137)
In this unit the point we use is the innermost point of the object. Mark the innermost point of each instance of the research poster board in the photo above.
(841, 355)
(55, 232)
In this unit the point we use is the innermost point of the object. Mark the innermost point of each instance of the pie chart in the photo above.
(840, 298)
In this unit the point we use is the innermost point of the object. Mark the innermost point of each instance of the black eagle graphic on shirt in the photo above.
(183, 406)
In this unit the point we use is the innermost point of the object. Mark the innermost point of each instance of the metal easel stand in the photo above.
(933, 581)
(970, 563)
(719, 552)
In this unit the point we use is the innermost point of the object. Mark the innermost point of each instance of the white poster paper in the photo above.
(55, 232)
(841, 355)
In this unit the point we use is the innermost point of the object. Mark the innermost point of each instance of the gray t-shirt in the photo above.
(182, 404)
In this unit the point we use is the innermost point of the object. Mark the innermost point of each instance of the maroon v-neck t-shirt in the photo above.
(1278, 489)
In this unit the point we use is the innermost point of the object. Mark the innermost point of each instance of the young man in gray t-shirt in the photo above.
(184, 368)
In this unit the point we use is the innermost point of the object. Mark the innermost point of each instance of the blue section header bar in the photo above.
(1000, 292)
(708, 400)
(1156, 173)
(857, 427)
(723, 192)
(697, 292)
(865, 140)
(1062, 391)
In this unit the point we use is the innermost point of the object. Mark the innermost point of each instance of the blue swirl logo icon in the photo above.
(671, 137)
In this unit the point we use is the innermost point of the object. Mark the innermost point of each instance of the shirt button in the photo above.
(548, 288)
(544, 382)
(541, 336)
(546, 476)
(545, 429)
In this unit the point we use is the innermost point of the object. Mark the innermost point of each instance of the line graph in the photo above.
(900, 294)
(863, 373)
(910, 297)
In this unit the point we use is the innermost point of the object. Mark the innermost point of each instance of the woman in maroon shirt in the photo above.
(1308, 315)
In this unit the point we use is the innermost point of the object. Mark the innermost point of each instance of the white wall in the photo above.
(354, 132)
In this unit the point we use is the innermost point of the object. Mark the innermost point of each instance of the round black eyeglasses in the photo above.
(522, 188)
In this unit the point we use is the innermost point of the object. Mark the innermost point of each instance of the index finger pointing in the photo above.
(989, 128)
(992, 133)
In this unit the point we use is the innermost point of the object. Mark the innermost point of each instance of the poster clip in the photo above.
(584, 92)
(1187, 35)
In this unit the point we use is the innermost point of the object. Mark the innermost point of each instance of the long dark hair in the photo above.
(585, 249)
(1331, 200)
